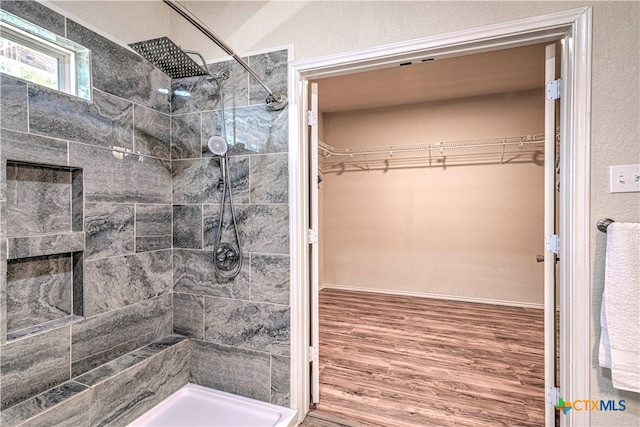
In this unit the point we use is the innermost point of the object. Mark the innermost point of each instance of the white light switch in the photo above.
(624, 179)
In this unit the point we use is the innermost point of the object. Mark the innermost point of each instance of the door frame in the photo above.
(575, 26)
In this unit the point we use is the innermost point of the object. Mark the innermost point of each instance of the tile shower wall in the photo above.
(120, 141)
(240, 327)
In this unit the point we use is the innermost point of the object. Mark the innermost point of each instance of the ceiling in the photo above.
(502, 71)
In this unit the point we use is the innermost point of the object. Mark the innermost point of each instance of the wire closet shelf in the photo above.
(502, 150)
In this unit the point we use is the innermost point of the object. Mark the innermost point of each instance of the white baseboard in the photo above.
(434, 296)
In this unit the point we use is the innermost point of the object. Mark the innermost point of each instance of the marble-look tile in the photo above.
(112, 283)
(186, 139)
(235, 88)
(193, 273)
(153, 220)
(38, 290)
(153, 243)
(270, 178)
(78, 281)
(32, 365)
(3, 276)
(110, 335)
(159, 345)
(270, 278)
(72, 402)
(187, 226)
(109, 230)
(37, 14)
(256, 130)
(106, 122)
(238, 371)
(239, 171)
(112, 176)
(272, 68)
(47, 244)
(280, 380)
(264, 228)
(109, 370)
(77, 199)
(211, 219)
(239, 176)
(153, 227)
(188, 315)
(248, 325)
(47, 326)
(133, 392)
(38, 200)
(193, 94)
(152, 132)
(212, 126)
(25, 147)
(121, 72)
(196, 181)
(13, 103)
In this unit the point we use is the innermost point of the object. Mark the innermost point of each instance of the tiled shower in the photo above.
(109, 210)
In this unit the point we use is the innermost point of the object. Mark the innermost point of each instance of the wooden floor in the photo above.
(402, 361)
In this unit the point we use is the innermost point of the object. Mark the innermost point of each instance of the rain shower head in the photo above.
(217, 145)
(168, 58)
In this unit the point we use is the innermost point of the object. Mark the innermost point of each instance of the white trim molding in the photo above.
(574, 28)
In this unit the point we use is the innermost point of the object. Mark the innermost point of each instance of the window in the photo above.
(41, 57)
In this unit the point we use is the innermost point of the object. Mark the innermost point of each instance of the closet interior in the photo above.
(431, 186)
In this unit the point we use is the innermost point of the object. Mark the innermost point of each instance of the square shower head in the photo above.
(168, 58)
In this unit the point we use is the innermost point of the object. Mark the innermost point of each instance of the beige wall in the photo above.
(470, 231)
(324, 28)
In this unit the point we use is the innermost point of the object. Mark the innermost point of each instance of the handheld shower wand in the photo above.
(227, 258)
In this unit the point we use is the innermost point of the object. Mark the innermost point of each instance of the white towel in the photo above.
(620, 314)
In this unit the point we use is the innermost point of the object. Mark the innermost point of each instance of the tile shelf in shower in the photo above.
(44, 327)
(44, 244)
(43, 200)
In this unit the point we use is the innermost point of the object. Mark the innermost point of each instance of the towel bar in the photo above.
(603, 224)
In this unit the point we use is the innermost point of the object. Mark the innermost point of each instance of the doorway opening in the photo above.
(573, 27)
(433, 188)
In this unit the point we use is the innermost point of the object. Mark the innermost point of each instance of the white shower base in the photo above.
(194, 405)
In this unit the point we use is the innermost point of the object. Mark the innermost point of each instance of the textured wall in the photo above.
(241, 325)
(115, 149)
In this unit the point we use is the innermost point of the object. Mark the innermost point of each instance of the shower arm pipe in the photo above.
(182, 11)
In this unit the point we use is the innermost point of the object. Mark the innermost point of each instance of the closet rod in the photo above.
(520, 141)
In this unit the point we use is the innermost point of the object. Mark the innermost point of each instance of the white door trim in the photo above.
(575, 125)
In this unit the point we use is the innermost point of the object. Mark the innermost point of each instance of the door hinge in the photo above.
(312, 118)
(553, 89)
(313, 354)
(553, 243)
(313, 236)
(552, 394)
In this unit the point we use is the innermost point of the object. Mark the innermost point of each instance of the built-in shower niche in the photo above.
(45, 244)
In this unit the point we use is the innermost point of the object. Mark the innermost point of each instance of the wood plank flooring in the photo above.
(402, 361)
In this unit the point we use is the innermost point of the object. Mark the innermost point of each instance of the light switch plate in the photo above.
(624, 179)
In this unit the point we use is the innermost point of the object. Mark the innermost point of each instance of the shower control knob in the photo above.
(226, 257)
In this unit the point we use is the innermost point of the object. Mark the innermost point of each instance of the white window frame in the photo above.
(74, 60)
(66, 58)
